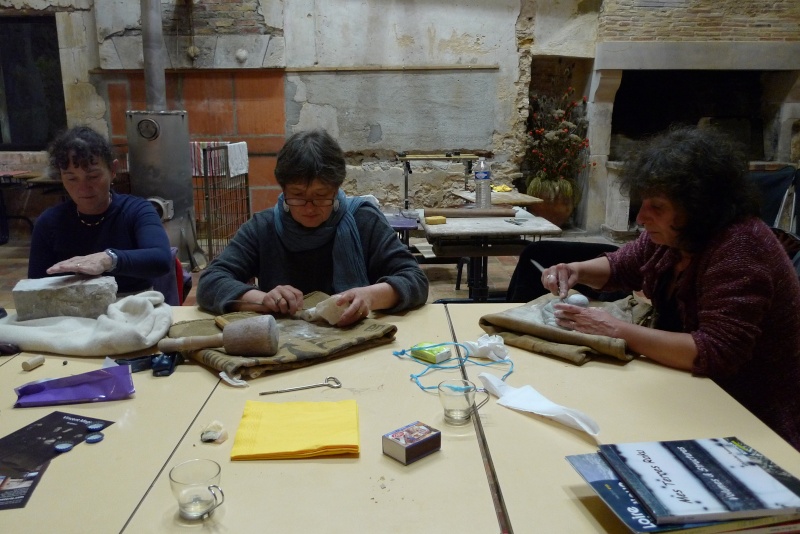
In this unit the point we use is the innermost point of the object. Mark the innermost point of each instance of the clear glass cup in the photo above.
(195, 484)
(458, 400)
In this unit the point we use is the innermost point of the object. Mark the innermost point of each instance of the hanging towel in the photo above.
(214, 165)
(237, 159)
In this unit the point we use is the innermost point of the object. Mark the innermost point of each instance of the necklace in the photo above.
(88, 223)
(93, 223)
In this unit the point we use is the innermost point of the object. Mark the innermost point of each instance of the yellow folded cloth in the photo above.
(285, 430)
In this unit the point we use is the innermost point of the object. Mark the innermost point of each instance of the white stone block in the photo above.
(56, 296)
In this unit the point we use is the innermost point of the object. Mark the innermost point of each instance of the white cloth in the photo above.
(132, 323)
(528, 399)
(237, 159)
(488, 347)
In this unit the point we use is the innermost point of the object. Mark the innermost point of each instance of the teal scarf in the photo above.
(349, 265)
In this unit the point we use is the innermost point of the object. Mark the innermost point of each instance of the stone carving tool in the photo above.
(254, 336)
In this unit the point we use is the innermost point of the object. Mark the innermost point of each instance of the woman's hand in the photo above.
(93, 264)
(559, 279)
(283, 299)
(359, 304)
(674, 349)
(587, 320)
(286, 300)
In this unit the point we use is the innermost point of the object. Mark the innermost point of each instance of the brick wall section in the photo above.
(214, 17)
(221, 106)
(700, 20)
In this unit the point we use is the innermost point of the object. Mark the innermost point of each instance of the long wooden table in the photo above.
(635, 401)
(373, 493)
(504, 473)
(122, 483)
(481, 237)
(507, 198)
(96, 488)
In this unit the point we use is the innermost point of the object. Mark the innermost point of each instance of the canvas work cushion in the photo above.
(301, 343)
(524, 327)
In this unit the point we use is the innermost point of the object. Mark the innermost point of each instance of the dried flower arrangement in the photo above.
(557, 143)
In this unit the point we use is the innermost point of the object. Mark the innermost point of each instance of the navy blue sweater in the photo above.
(130, 227)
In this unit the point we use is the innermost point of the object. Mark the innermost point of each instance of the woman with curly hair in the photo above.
(725, 293)
(97, 231)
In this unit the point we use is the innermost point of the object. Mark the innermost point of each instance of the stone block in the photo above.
(56, 296)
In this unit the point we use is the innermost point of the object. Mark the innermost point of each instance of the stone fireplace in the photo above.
(749, 89)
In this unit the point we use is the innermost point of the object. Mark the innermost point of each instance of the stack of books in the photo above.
(701, 486)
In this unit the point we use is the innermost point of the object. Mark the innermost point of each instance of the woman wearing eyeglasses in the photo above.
(314, 239)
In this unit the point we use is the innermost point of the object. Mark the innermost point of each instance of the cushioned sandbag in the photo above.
(301, 343)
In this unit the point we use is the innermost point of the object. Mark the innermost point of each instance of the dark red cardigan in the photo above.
(740, 301)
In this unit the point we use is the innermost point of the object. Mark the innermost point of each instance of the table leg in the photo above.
(479, 278)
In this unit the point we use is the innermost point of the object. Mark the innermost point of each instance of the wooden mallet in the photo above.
(254, 336)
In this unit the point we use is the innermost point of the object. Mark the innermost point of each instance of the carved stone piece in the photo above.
(56, 296)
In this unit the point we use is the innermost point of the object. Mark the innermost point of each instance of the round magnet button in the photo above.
(94, 438)
(95, 427)
(64, 446)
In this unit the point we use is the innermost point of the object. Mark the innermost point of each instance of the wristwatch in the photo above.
(114, 260)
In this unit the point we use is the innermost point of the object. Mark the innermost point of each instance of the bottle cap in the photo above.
(97, 437)
(64, 446)
(95, 427)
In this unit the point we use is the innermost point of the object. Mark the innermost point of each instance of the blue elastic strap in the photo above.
(406, 353)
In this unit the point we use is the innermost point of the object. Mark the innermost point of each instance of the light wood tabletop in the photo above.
(510, 198)
(631, 402)
(507, 468)
(97, 487)
(445, 491)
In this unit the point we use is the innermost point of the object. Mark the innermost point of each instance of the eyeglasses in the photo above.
(318, 202)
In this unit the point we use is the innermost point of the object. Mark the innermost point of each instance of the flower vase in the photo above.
(558, 211)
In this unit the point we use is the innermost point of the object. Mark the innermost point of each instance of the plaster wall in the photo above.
(383, 78)
(416, 77)
(427, 77)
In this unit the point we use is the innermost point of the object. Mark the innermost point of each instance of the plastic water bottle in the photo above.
(483, 184)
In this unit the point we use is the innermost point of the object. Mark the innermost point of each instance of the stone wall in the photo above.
(214, 17)
(424, 77)
(699, 20)
(756, 35)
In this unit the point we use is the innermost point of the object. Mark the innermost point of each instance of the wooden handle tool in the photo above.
(254, 336)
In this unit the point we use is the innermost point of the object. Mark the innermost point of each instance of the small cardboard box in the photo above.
(412, 442)
(430, 352)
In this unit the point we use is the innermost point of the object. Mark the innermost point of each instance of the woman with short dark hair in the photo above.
(725, 293)
(314, 239)
(97, 231)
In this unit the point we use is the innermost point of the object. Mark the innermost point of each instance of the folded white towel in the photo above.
(132, 323)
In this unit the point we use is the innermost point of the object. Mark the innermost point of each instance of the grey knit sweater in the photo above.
(250, 255)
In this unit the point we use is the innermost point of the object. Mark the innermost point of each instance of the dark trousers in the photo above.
(526, 282)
